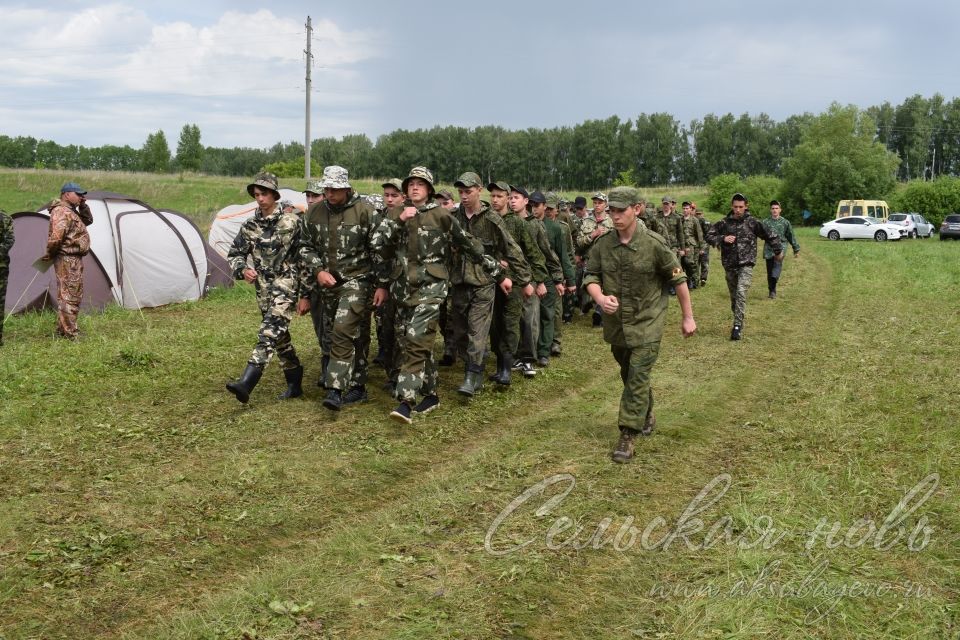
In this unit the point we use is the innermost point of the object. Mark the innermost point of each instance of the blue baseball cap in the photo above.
(73, 186)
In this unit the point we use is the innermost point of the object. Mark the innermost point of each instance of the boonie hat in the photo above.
(265, 180)
(335, 177)
(419, 172)
(553, 201)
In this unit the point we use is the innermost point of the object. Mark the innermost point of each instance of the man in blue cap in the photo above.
(67, 243)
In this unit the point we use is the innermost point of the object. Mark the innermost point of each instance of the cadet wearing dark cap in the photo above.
(627, 274)
(550, 305)
(776, 222)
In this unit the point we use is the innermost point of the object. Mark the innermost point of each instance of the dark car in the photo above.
(950, 228)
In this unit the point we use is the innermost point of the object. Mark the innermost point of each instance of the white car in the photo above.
(915, 224)
(853, 227)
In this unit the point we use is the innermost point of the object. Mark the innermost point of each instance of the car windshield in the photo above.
(897, 217)
(953, 218)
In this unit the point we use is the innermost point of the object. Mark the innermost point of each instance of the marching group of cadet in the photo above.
(495, 276)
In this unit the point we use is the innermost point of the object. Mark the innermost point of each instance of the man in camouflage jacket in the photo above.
(694, 242)
(6, 242)
(67, 243)
(736, 236)
(264, 253)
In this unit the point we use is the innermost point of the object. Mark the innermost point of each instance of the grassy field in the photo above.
(198, 197)
(140, 500)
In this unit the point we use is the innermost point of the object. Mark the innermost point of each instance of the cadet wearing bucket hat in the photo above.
(473, 290)
(269, 240)
(67, 242)
(422, 236)
(336, 246)
(627, 273)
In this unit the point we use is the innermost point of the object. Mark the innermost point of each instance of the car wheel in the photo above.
(912, 235)
(834, 235)
(880, 236)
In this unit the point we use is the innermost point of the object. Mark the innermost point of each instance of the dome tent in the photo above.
(139, 257)
(226, 224)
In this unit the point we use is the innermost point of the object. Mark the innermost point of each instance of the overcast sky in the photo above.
(95, 73)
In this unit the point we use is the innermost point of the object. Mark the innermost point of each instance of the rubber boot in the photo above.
(505, 370)
(324, 363)
(243, 387)
(294, 381)
(472, 382)
(495, 376)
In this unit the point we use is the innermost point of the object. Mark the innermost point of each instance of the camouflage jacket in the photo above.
(784, 231)
(655, 223)
(538, 232)
(6, 238)
(531, 252)
(743, 252)
(557, 236)
(68, 232)
(587, 226)
(488, 227)
(638, 274)
(269, 245)
(673, 231)
(694, 234)
(338, 239)
(420, 248)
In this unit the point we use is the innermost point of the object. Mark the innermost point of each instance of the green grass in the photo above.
(140, 500)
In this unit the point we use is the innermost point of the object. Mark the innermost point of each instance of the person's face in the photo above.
(623, 219)
(445, 202)
(392, 197)
(265, 198)
(738, 207)
(72, 197)
(470, 196)
(336, 197)
(687, 211)
(775, 210)
(418, 190)
(599, 205)
(580, 211)
(551, 213)
(498, 199)
(517, 202)
(313, 198)
(538, 208)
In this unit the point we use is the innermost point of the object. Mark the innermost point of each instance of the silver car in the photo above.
(915, 224)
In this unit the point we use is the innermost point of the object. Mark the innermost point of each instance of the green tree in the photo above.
(189, 149)
(155, 156)
(934, 199)
(837, 158)
(721, 189)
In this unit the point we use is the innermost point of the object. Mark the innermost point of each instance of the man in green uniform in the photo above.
(6, 241)
(422, 235)
(592, 227)
(335, 247)
(705, 251)
(472, 289)
(627, 274)
(388, 354)
(553, 234)
(554, 212)
(736, 237)
(693, 233)
(264, 253)
(776, 222)
(508, 309)
(651, 221)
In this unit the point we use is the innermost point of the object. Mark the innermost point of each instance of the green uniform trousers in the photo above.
(470, 318)
(636, 402)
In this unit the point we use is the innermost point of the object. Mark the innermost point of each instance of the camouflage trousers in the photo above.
(277, 308)
(4, 274)
(446, 327)
(346, 324)
(691, 267)
(705, 264)
(548, 310)
(471, 313)
(558, 313)
(417, 331)
(529, 328)
(505, 330)
(738, 282)
(636, 402)
(69, 270)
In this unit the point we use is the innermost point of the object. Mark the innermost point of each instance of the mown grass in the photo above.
(141, 500)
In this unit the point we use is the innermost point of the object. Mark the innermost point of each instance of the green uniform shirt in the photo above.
(673, 231)
(539, 234)
(638, 274)
(784, 231)
(694, 234)
(557, 236)
(520, 233)
(588, 225)
(338, 240)
(488, 227)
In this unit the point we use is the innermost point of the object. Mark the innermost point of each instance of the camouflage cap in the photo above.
(599, 195)
(666, 200)
(314, 186)
(553, 200)
(446, 194)
(501, 185)
(418, 172)
(335, 177)
(468, 179)
(622, 197)
(265, 180)
(393, 182)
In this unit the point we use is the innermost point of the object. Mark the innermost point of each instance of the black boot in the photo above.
(324, 363)
(294, 380)
(495, 376)
(505, 370)
(473, 381)
(334, 400)
(244, 386)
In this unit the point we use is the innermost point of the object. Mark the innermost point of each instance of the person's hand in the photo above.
(688, 327)
(303, 306)
(326, 280)
(528, 291)
(609, 304)
(730, 239)
(541, 290)
(796, 253)
(408, 212)
(577, 260)
(560, 288)
(249, 275)
(571, 289)
(504, 265)
(682, 252)
(380, 296)
(779, 256)
(46, 258)
(599, 231)
(506, 285)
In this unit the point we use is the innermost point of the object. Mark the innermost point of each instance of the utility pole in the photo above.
(306, 134)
